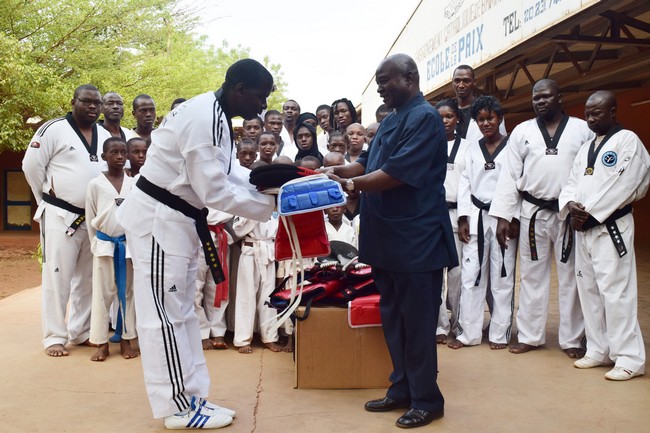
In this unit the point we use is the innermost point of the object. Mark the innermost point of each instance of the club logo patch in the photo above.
(609, 159)
(35, 144)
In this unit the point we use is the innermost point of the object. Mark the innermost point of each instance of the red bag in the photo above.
(364, 312)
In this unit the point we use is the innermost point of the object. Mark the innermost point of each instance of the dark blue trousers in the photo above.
(409, 308)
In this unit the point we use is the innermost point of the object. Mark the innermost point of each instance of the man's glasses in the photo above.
(89, 102)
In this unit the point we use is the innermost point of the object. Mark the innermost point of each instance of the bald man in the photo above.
(406, 235)
(609, 173)
(540, 155)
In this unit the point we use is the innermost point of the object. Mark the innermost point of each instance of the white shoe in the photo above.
(194, 419)
(211, 408)
(587, 362)
(620, 373)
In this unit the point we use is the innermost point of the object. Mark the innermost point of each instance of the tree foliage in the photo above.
(49, 47)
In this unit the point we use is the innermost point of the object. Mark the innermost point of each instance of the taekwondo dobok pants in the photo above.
(212, 320)
(168, 329)
(607, 285)
(104, 292)
(535, 285)
(255, 283)
(472, 296)
(451, 297)
(67, 271)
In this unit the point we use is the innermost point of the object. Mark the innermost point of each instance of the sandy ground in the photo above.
(18, 270)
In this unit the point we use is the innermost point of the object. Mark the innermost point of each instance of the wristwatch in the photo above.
(349, 185)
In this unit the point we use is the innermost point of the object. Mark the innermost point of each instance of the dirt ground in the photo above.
(18, 270)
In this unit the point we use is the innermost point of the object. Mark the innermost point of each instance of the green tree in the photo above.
(49, 47)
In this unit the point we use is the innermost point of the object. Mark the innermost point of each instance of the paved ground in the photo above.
(486, 391)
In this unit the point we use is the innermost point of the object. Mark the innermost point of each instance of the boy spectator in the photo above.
(112, 271)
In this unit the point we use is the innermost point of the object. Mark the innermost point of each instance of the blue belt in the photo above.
(119, 263)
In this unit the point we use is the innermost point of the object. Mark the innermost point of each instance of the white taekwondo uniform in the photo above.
(102, 202)
(538, 168)
(605, 262)
(60, 160)
(212, 320)
(255, 280)
(346, 233)
(191, 156)
(455, 166)
(479, 180)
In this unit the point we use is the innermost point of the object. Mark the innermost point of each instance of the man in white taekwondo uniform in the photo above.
(609, 173)
(189, 167)
(540, 155)
(59, 162)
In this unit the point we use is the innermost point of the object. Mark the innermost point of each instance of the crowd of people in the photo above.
(119, 219)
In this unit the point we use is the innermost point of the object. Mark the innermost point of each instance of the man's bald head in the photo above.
(404, 65)
(548, 83)
(605, 98)
(398, 80)
(600, 111)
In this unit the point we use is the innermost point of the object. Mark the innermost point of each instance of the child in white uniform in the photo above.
(112, 271)
(339, 228)
(212, 318)
(255, 283)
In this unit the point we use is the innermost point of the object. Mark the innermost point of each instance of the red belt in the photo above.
(222, 251)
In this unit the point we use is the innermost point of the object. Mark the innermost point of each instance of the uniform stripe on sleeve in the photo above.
(46, 125)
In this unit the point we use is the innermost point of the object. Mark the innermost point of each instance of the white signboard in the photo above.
(444, 34)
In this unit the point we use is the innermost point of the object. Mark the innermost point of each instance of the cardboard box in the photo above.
(330, 354)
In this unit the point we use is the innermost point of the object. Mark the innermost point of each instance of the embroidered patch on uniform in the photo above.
(609, 158)
(118, 201)
(93, 158)
(72, 148)
(579, 274)
(35, 144)
(172, 289)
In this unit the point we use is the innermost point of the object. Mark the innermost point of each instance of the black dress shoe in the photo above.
(418, 417)
(385, 404)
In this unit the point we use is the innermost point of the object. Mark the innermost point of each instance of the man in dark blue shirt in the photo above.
(405, 234)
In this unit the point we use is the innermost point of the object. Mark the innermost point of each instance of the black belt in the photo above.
(452, 205)
(198, 215)
(612, 228)
(55, 201)
(552, 205)
(481, 240)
